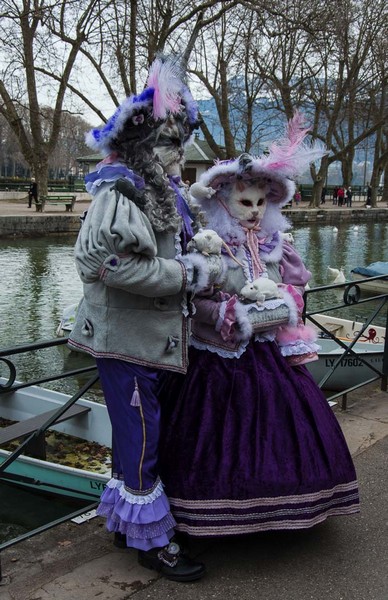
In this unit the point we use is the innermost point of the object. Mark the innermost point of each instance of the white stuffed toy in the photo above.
(201, 192)
(259, 290)
(206, 241)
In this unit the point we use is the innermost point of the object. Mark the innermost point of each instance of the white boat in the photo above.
(345, 329)
(92, 427)
(351, 370)
(376, 269)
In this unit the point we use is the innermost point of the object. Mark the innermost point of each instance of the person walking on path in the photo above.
(335, 195)
(368, 196)
(133, 318)
(32, 192)
(349, 196)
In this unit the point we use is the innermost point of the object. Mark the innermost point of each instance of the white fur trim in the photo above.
(246, 331)
(198, 266)
(289, 300)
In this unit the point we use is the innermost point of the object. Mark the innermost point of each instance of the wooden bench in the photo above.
(288, 205)
(23, 428)
(67, 201)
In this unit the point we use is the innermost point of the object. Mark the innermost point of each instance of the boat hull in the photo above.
(376, 269)
(54, 477)
(376, 286)
(351, 370)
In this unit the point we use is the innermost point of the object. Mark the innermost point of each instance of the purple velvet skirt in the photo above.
(251, 444)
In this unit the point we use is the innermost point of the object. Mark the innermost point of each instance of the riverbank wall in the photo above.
(17, 220)
(336, 216)
(20, 226)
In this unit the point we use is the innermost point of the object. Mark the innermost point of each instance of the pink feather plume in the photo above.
(165, 78)
(292, 154)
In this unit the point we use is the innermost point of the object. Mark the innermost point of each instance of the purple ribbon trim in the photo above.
(111, 173)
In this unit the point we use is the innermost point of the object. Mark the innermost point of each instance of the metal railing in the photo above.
(11, 385)
(352, 296)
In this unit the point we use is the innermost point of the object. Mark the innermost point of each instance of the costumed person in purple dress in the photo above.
(133, 318)
(255, 445)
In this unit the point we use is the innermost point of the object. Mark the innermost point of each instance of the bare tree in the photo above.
(324, 69)
(50, 51)
(129, 36)
(29, 48)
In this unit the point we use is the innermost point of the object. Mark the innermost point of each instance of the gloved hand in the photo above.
(202, 271)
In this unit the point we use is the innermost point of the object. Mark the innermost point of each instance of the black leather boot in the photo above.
(120, 540)
(172, 563)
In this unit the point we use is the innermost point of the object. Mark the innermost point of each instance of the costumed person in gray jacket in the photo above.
(130, 255)
(264, 449)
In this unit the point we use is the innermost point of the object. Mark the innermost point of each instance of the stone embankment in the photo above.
(17, 220)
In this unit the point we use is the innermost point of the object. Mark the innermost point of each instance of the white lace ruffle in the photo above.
(178, 251)
(299, 347)
(266, 336)
(135, 498)
(220, 351)
(177, 244)
(267, 305)
(221, 315)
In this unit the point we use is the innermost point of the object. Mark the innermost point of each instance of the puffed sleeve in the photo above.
(292, 268)
(117, 245)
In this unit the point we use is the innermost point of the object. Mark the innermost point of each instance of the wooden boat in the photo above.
(376, 269)
(351, 370)
(82, 471)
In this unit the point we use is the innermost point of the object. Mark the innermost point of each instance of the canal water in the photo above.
(39, 280)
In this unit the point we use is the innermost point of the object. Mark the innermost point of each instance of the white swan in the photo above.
(335, 229)
(340, 277)
(332, 273)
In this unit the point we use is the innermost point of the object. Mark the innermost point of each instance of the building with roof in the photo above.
(198, 158)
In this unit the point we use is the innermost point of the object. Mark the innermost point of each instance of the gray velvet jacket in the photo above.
(134, 290)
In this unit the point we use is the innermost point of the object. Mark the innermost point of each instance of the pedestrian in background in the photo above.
(349, 195)
(335, 195)
(297, 197)
(340, 196)
(368, 196)
(32, 192)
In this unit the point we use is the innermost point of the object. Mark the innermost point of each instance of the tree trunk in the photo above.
(317, 192)
(347, 169)
(384, 197)
(374, 183)
(41, 173)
